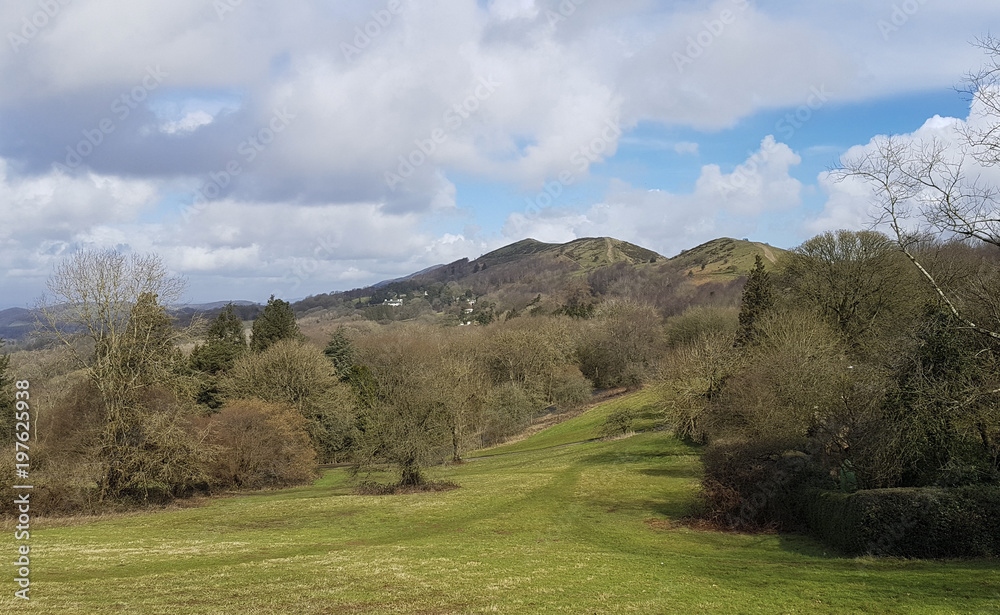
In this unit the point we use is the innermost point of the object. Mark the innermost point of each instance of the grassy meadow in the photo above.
(590, 528)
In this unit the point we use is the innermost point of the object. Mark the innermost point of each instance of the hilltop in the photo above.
(726, 258)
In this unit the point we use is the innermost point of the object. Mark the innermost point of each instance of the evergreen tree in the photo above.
(341, 352)
(276, 322)
(758, 299)
(224, 343)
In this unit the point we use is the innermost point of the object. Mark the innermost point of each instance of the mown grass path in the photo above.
(580, 529)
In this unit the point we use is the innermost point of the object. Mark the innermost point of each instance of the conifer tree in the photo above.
(340, 351)
(224, 343)
(275, 323)
(758, 299)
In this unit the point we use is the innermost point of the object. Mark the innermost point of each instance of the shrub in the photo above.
(618, 423)
(569, 386)
(699, 322)
(909, 522)
(291, 372)
(260, 444)
(754, 486)
(508, 411)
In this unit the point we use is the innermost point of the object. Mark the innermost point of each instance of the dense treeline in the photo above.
(846, 371)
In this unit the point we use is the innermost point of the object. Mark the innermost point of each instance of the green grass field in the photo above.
(578, 529)
(586, 426)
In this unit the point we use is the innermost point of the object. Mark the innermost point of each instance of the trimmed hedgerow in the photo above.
(910, 522)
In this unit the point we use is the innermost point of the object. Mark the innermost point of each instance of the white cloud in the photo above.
(850, 200)
(686, 148)
(189, 123)
(721, 204)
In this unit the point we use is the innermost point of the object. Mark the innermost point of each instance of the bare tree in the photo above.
(920, 190)
(983, 86)
(107, 309)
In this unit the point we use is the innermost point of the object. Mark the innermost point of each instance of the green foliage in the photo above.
(578, 310)
(697, 322)
(618, 423)
(621, 345)
(759, 485)
(757, 301)
(275, 323)
(570, 386)
(408, 419)
(224, 343)
(945, 402)
(509, 410)
(909, 522)
(340, 351)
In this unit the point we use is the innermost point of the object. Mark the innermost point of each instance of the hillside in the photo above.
(725, 258)
(16, 323)
(532, 274)
(587, 253)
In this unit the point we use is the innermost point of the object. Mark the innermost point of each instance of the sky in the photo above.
(262, 147)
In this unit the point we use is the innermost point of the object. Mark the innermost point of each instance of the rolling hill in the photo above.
(516, 274)
(726, 258)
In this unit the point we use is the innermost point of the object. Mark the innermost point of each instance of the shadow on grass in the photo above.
(633, 456)
(679, 473)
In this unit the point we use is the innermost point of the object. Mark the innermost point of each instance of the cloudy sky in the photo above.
(267, 147)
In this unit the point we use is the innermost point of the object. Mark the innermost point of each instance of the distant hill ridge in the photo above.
(588, 252)
(532, 266)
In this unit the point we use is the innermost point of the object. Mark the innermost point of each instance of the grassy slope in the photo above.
(725, 259)
(587, 426)
(580, 529)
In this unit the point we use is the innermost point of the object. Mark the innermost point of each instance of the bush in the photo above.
(291, 372)
(699, 322)
(621, 346)
(618, 423)
(909, 522)
(260, 444)
(508, 411)
(757, 486)
(569, 386)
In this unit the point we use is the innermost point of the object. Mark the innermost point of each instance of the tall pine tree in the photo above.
(224, 343)
(341, 352)
(758, 299)
(275, 323)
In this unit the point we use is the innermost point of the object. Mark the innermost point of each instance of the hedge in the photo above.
(909, 522)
